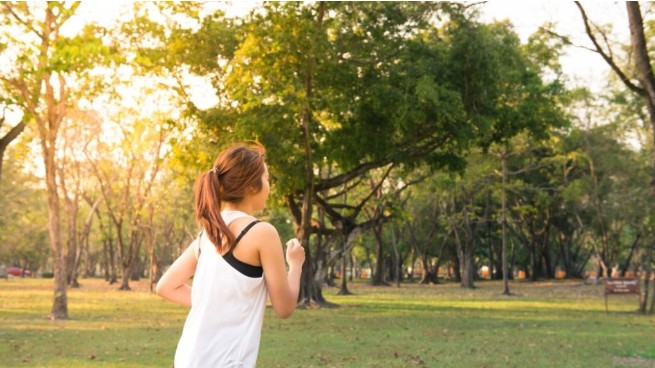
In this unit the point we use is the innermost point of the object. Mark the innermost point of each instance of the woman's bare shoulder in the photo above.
(264, 228)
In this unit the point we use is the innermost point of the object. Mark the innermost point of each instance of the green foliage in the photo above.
(545, 49)
(502, 87)
(82, 52)
(377, 82)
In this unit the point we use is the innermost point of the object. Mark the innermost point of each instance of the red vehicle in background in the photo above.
(18, 272)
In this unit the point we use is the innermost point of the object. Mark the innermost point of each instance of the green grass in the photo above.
(545, 324)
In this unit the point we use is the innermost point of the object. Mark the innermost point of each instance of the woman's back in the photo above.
(228, 300)
(229, 291)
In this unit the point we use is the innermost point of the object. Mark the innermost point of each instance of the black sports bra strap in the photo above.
(243, 232)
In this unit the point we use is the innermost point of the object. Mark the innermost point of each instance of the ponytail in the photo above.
(208, 211)
(235, 170)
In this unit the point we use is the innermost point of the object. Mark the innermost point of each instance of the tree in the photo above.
(504, 92)
(643, 73)
(74, 175)
(127, 184)
(46, 63)
(168, 222)
(296, 75)
(470, 211)
(392, 91)
(427, 225)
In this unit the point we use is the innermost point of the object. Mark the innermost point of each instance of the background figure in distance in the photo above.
(236, 261)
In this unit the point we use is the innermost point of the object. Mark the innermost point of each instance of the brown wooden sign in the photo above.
(621, 286)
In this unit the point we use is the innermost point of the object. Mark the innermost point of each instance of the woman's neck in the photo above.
(241, 207)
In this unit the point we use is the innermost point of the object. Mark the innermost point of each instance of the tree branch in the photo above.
(566, 40)
(608, 58)
(11, 135)
(414, 152)
(374, 190)
(9, 9)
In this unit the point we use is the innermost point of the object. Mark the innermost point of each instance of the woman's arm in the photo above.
(283, 288)
(172, 286)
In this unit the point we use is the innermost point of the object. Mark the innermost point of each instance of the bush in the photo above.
(47, 275)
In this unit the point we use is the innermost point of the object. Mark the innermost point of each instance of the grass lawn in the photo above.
(544, 324)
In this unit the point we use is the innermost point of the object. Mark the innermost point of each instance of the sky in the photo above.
(582, 66)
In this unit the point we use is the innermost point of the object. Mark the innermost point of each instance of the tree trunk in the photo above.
(503, 222)
(534, 262)
(565, 254)
(643, 299)
(152, 264)
(71, 264)
(644, 70)
(72, 254)
(123, 258)
(468, 271)
(150, 236)
(310, 290)
(105, 258)
(435, 272)
(344, 283)
(128, 257)
(466, 262)
(74, 282)
(125, 278)
(153, 270)
(425, 278)
(349, 236)
(412, 263)
(398, 262)
(378, 274)
(60, 303)
(545, 254)
(390, 268)
(442, 252)
(113, 278)
(624, 267)
(651, 310)
(86, 232)
(108, 251)
(456, 269)
(48, 143)
(135, 254)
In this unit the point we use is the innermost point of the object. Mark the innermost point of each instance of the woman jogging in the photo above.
(235, 262)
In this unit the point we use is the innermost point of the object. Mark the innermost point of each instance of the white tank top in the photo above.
(224, 325)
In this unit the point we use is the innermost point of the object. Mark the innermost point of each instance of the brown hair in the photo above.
(236, 170)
